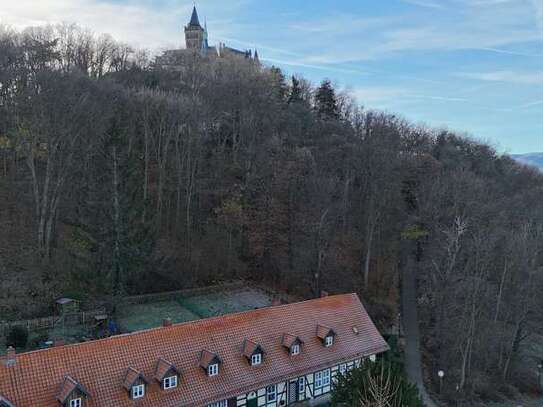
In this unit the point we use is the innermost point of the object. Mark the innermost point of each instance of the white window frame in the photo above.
(301, 384)
(343, 369)
(138, 391)
(213, 370)
(220, 403)
(169, 382)
(318, 380)
(295, 349)
(326, 377)
(256, 359)
(329, 340)
(271, 393)
(76, 402)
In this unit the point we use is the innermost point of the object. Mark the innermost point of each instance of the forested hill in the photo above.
(118, 178)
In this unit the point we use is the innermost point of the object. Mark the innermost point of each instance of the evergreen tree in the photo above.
(326, 102)
(295, 95)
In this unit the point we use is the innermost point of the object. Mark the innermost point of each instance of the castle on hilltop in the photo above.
(196, 42)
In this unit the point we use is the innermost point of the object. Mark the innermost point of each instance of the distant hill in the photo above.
(535, 159)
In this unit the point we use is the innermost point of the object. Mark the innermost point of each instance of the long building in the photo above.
(270, 357)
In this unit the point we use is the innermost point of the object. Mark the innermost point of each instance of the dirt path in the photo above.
(411, 331)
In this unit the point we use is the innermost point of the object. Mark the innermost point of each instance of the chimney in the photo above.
(58, 342)
(167, 322)
(324, 294)
(11, 357)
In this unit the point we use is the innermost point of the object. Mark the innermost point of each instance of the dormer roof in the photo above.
(68, 386)
(208, 358)
(164, 369)
(288, 340)
(250, 348)
(131, 377)
(4, 402)
(323, 331)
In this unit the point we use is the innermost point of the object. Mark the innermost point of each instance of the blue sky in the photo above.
(470, 65)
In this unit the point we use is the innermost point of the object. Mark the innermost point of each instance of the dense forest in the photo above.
(118, 177)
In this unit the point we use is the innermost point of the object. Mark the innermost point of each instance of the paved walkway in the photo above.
(410, 322)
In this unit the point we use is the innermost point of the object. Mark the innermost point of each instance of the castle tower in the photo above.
(194, 33)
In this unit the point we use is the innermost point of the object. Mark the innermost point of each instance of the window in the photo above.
(170, 382)
(75, 403)
(322, 378)
(343, 369)
(301, 384)
(271, 393)
(295, 350)
(329, 341)
(213, 370)
(138, 391)
(222, 403)
(326, 377)
(256, 359)
(318, 380)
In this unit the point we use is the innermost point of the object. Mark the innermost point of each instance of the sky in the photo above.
(473, 66)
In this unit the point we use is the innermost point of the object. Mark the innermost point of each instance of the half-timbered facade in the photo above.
(270, 357)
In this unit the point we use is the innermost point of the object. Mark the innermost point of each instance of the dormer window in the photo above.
(253, 352)
(210, 362)
(71, 394)
(138, 391)
(256, 359)
(292, 343)
(166, 374)
(135, 383)
(326, 335)
(169, 382)
(213, 370)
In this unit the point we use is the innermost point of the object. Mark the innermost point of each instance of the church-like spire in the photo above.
(194, 21)
(256, 55)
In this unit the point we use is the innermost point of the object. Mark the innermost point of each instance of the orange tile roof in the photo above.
(101, 366)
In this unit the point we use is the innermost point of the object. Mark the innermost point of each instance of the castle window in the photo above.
(138, 391)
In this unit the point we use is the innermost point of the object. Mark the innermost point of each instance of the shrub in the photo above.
(382, 383)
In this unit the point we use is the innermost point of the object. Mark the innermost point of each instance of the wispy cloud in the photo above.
(425, 3)
(531, 104)
(523, 78)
